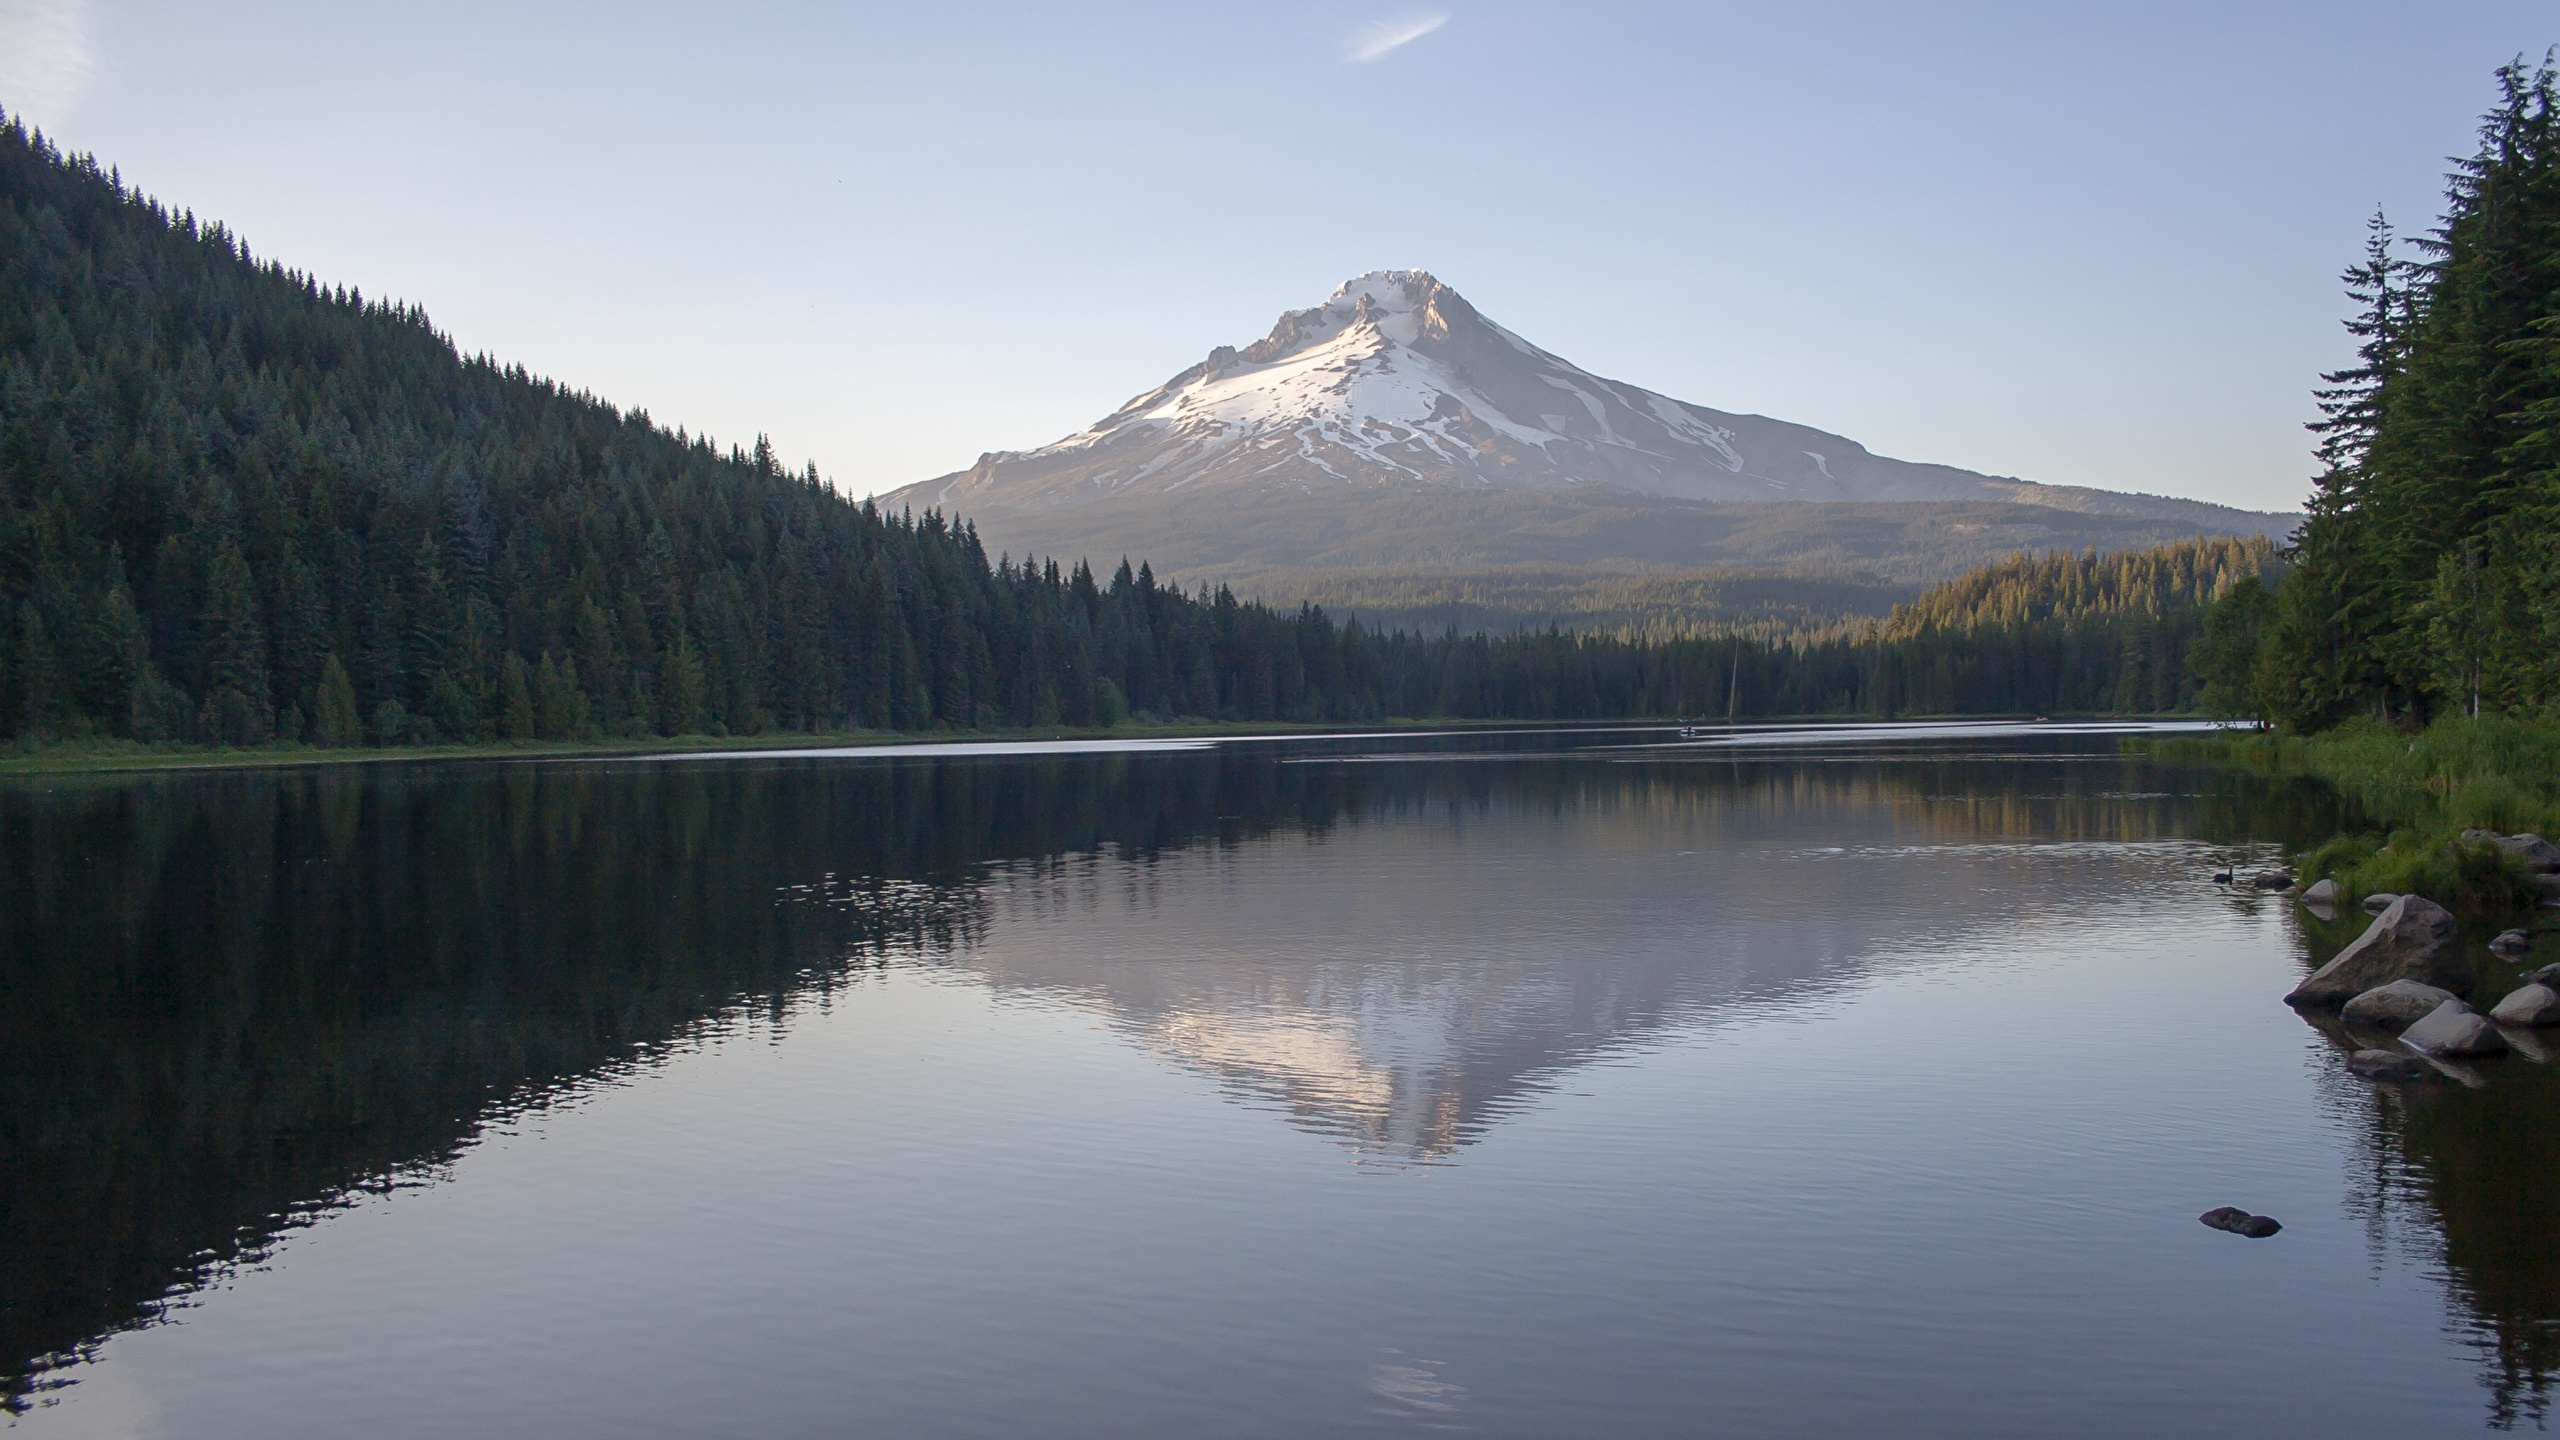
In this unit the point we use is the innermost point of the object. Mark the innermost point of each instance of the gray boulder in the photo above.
(2535, 851)
(2454, 1028)
(2321, 892)
(2376, 904)
(2547, 975)
(2511, 942)
(2395, 1006)
(2529, 1008)
(2272, 880)
(2389, 1065)
(2413, 939)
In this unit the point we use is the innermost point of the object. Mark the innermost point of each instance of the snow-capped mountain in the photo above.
(1396, 381)
(1393, 431)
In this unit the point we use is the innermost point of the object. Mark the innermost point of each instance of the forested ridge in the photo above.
(236, 504)
(2079, 633)
(240, 507)
(2425, 580)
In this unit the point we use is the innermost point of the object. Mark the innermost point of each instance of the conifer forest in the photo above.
(241, 506)
(2425, 581)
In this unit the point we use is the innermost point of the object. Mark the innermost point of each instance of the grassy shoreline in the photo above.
(84, 757)
(75, 757)
(2418, 791)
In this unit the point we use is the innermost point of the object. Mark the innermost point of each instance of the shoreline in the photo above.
(111, 757)
(106, 757)
(2425, 797)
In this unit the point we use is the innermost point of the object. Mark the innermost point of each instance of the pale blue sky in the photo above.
(2083, 244)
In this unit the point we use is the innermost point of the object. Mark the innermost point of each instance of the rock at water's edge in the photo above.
(2535, 851)
(2511, 942)
(2395, 1006)
(2240, 1222)
(2529, 1008)
(2455, 1029)
(2376, 904)
(2414, 939)
(2322, 892)
(2547, 975)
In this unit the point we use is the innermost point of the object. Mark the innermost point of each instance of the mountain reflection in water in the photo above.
(1400, 985)
(229, 1002)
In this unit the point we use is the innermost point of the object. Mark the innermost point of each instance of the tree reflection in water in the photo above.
(2466, 1180)
(229, 1002)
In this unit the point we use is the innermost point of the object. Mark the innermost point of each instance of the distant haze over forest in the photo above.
(1393, 437)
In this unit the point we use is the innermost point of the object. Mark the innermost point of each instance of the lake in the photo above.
(1842, 1082)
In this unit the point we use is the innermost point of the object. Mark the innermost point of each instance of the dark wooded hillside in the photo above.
(237, 504)
(239, 507)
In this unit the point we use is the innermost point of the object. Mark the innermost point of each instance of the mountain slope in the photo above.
(1396, 386)
(238, 507)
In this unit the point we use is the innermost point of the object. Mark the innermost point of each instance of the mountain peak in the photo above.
(1389, 291)
(1395, 382)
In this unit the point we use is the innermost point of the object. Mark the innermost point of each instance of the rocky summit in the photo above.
(1396, 387)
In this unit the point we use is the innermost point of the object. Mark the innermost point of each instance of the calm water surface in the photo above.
(1525, 1084)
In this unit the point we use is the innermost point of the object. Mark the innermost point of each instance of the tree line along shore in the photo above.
(245, 512)
(2408, 649)
(241, 509)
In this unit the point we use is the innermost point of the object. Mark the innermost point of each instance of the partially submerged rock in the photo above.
(2511, 942)
(2454, 1028)
(2376, 904)
(2272, 880)
(2396, 1065)
(2395, 1006)
(2547, 975)
(2529, 1008)
(2413, 939)
(2321, 892)
(2240, 1222)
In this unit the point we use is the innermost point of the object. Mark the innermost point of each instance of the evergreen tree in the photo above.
(2423, 578)
(685, 690)
(338, 722)
(516, 690)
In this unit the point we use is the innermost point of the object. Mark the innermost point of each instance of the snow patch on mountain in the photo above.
(1396, 381)
(1344, 376)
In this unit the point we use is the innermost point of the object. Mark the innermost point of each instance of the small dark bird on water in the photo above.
(2221, 877)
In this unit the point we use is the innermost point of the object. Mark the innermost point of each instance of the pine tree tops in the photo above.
(2384, 289)
(2070, 588)
(2426, 575)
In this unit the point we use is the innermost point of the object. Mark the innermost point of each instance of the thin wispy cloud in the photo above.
(45, 57)
(1386, 35)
